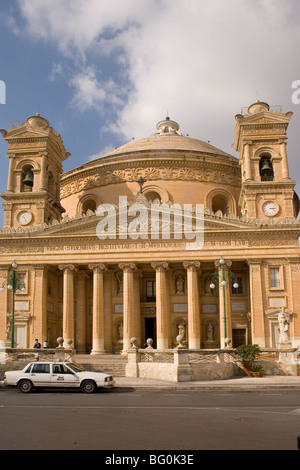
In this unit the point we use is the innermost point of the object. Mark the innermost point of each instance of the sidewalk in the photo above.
(242, 384)
(274, 382)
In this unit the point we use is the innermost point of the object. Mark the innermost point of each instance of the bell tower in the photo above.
(260, 138)
(35, 155)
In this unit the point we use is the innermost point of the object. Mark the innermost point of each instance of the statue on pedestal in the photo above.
(284, 323)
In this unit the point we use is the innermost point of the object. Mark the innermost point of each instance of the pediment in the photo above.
(24, 132)
(266, 118)
(87, 225)
(20, 137)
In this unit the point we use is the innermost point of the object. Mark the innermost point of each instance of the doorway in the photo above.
(238, 337)
(150, 330)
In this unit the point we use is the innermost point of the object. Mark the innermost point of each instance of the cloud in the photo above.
(91, 93)
(74, 25)
(198, 60)
(57, 70)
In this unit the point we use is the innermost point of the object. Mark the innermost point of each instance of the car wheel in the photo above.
(25, 386)
(88, 386)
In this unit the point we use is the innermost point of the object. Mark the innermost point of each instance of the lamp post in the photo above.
(221, 279)
(13, 284)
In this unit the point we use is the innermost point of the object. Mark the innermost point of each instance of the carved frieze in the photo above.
(104, 177)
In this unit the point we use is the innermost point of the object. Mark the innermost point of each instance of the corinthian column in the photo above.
(98, 308)
(162, 305)
(194, 332)
(68, 302)
(128, 303)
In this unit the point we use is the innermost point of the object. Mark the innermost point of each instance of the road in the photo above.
(125, 419)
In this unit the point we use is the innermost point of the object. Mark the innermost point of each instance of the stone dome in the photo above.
(174, 168)
(167, 137)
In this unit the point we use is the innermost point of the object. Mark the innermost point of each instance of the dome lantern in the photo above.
(167, 127)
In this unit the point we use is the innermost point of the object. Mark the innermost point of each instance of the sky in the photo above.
(104, 72)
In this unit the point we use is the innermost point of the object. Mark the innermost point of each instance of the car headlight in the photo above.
(108, 379)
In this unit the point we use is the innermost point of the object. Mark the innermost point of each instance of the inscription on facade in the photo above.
(180, 308)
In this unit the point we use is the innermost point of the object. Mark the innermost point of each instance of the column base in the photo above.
(98, 347)
(194, 344)
(162, 344)
(95, 352)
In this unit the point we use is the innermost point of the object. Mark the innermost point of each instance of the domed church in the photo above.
(164, 236)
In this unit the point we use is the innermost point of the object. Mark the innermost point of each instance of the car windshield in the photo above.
(75, 367)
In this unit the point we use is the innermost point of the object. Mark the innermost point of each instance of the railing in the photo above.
(28, 355)
(201, 356)
(181, 365)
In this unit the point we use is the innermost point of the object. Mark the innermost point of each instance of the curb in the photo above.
(242, 388)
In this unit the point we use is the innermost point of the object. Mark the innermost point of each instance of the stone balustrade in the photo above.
(180, 365)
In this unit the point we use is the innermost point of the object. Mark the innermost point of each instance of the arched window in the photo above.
(155, 194)
(266, 168)
(153, 197)
(220, 203)
(89, 204)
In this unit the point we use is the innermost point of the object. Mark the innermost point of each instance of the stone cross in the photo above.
(141, 181)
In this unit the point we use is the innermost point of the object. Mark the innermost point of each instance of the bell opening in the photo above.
(266, 169)
(27, 180)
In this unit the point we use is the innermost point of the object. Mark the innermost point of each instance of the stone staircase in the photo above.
(113, 364)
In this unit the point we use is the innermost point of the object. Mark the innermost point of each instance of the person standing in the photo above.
(37, 345)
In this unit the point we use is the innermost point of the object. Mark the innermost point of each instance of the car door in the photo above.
(62, 376)
(40, 375)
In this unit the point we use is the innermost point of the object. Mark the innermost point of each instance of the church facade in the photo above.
(164, 236)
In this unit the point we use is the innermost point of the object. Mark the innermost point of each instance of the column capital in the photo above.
(127, 266)
(162, 265)
(100, 266)
(283, 140)
(251, 262)
(191, 264)
(226, 262)
(70, 267)
(40, 266)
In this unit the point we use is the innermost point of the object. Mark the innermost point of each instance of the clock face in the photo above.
(24, 217)
(270, 208)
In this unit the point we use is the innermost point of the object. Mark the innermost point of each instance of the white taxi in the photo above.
(55, 375)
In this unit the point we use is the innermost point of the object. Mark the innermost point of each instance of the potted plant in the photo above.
(256, 370)
(247, 354)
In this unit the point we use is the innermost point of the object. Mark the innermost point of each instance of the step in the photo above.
(115, 369)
